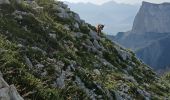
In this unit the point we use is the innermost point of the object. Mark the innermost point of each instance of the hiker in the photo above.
(99, 29)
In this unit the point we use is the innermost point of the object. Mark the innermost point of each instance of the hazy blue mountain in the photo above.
(116, 17)
(150, 35)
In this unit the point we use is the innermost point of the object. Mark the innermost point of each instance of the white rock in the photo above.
(97, 72)
(40, 65)
(53, 35)
(76, 25)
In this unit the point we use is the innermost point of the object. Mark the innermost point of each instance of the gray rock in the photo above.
(61, 4)
(17, 15)
(88, 92)
(94, 35)
(62, 13)
(130, 79)
(60, 80)
(38, 9)
(38, 49)
(117, 96)
(18, 1)
(106, 63)
(97, 45)
(144, 94)
(25, 28)
(77, 18)
(124, 54)
(4, 2)
(8, 92)
(28, 62)
(97, 72)
(76, 25)
(53, 35)
(60, 63)
(2, 82)
(32, 3)
(78, 34)
(88, 42)
(20, 45)
(44, 73)
(39, 66)
(51, 60)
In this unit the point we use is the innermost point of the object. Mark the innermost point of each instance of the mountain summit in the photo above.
(49, 53)
(152, 18)
(150, 35)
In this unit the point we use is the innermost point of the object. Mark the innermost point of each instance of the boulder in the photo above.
(60, 80)
(39, 66)
(77, 18)
(53, 35)
(28, 62)
(124, 54)
(8, 92)
(97, 72)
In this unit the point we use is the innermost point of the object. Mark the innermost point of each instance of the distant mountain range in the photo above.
(116, 17)
(150, 35)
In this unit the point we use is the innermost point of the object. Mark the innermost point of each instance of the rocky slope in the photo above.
(49, 53)
(149, 35)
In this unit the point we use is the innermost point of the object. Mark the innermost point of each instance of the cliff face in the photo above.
(152, 18)
(148, 37)
(49, 53)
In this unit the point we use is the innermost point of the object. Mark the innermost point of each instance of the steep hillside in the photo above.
(149, 37)
(49, 53)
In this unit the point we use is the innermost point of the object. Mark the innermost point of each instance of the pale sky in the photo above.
(119, 1)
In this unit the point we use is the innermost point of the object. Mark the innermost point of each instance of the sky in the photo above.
(118, 1)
